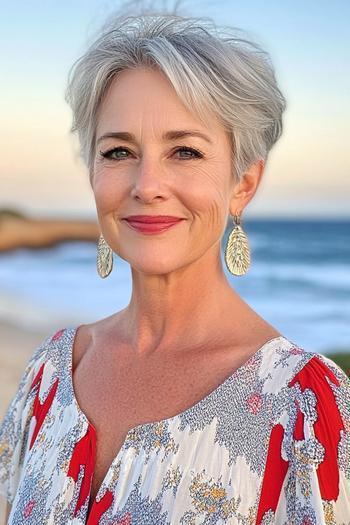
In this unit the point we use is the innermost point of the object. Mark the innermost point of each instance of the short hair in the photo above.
(210, 67)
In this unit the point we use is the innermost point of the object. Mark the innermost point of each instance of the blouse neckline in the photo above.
(143, 427)
(238, 371)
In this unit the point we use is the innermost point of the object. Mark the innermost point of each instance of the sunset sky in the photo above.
(308, 171)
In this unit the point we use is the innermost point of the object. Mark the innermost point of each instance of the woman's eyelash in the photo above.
(107, 154)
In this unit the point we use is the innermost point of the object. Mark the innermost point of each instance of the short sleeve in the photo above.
(14, 428)
(316, 486)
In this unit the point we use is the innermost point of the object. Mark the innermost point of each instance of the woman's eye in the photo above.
(196, 154)
(109, 154)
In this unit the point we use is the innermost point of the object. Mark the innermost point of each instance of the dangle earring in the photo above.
(104, 258)
(237, 253)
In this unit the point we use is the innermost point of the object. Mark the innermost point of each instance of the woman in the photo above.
(186, 406)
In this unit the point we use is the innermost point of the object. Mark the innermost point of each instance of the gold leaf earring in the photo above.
(237, 252)
(104, 258)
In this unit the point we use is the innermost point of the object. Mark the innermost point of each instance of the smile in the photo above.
(156, 227)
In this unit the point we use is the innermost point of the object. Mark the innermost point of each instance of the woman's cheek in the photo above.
(104, 201)
(105, 186)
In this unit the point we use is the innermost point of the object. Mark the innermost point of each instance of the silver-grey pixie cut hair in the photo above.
(211, 69)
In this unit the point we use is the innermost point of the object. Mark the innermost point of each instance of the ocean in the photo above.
(298, 281)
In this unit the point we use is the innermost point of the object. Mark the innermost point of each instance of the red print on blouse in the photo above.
(84, 454)
(41, 409)
(125, 520)
(328, 424)
(57, 335)
(99, 507)
(312, 375)
(275, 472)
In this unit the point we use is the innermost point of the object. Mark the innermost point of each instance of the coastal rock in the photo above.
(19, 231)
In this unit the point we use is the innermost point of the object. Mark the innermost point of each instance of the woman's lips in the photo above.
(154, 227)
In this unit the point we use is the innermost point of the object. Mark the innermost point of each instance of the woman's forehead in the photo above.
(145, 94)
(145, 101)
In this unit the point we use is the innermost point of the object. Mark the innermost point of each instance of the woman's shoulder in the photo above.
(309, 446)
(304, 380)
(324, 391)
(293, 363)
(310, 441)
(315, 405)
(15, 427)
(35, 361)
(320, 369)
(312, 376)
(41, 354)
(44, 363)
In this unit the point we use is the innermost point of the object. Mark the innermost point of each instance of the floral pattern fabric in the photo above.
(270, 445)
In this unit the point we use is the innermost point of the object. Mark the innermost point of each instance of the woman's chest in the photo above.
(117, 396)
(154, 398)
(167, 465)
(117, 401)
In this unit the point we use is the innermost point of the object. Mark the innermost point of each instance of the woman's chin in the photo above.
(152, 267)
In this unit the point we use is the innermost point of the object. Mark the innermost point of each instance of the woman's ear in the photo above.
(245, 190)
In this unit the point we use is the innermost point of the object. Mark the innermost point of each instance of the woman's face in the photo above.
(151, 176)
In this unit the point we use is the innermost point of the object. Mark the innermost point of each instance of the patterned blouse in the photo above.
(270, 445)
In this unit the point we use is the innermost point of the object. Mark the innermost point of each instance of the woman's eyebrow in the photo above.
(168, 135)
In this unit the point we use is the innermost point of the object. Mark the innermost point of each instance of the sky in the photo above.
(307, 173)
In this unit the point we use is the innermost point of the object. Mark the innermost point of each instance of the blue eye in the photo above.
(108, 154)
(197, 154)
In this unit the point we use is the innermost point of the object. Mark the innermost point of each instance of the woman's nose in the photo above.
(148, 181)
